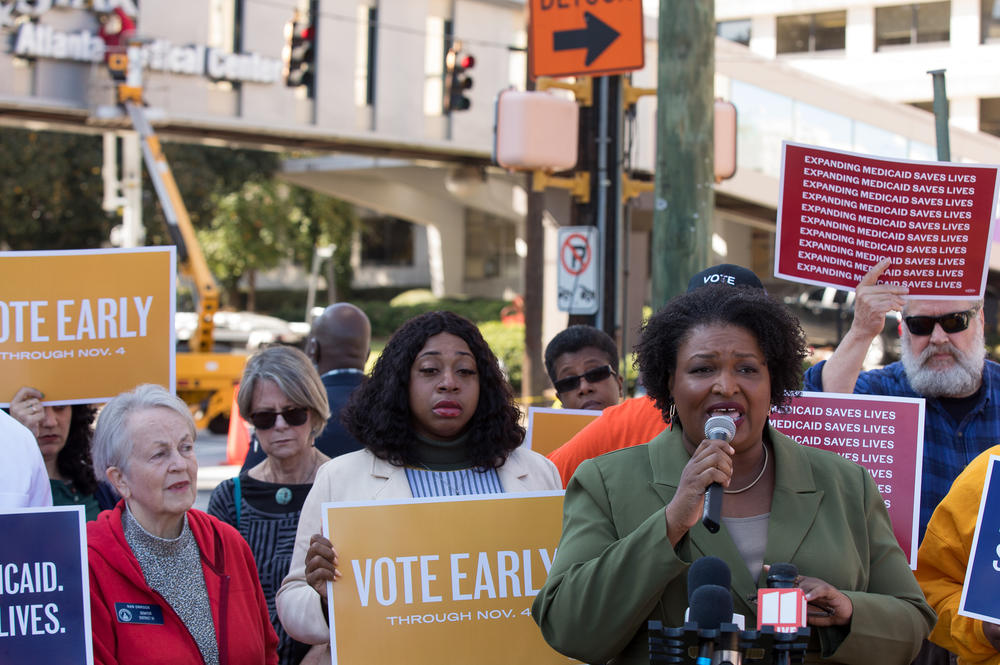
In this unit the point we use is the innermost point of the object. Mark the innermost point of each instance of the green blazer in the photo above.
(615, 568)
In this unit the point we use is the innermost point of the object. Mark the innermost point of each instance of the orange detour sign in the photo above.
(581, 38)
(442, 581)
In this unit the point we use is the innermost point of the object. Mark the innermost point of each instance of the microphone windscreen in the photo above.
(720, 427)
(711, 606)
(707, 570)
(782, 575)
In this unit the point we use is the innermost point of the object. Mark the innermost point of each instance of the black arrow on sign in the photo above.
(596, 37)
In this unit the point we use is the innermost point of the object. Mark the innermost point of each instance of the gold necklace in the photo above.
(755, 480)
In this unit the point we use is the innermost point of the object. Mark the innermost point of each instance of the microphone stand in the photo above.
(680, 645)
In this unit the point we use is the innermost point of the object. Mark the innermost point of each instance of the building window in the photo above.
(989, 115)
(918, 23)
(735, 31)
(387, 241)
(806, 33)
(438, 31)
(364, 57)
(224, 25)
(225, 31)
(517, 60)
(490, 247)
(991, 20)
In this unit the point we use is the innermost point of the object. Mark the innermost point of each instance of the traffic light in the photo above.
(457, 80)
(299, 53)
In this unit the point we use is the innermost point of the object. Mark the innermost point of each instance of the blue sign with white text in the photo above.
(979, 597)
(44, 587)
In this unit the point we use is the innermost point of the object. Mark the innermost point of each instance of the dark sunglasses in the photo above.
(950, 323)
(265, 419)
(592, 375)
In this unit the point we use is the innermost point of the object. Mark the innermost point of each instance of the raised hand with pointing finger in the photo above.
(872, 301)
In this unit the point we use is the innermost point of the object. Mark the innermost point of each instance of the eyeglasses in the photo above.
(265, 419)
(950, 323)
(591, 375)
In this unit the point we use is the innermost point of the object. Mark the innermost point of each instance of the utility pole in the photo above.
(533, 376)
(600, 154)
(684, 198)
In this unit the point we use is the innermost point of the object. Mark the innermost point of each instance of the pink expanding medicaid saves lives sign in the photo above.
(883, 434)
(840, 213)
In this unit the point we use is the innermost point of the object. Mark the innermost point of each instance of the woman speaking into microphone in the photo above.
(632, 520)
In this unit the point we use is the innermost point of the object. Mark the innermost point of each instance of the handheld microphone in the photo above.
(711, 606)
(721, 428)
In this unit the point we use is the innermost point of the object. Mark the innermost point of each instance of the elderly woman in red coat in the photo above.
(168, 584)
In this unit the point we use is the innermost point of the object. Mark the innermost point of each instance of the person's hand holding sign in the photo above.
(321, 565)
(26, 407)
(872, 301)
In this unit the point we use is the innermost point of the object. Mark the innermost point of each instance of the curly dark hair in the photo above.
(73, 461)
(378, 413)
(576, 338)
(776, 330)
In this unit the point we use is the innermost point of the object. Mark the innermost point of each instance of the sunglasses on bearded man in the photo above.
(950, 323)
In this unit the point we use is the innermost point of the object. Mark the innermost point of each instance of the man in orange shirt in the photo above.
(582, 363)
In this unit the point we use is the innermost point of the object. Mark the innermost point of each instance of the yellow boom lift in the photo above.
(205, 379)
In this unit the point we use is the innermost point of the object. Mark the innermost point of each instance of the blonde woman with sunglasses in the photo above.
(283, 397)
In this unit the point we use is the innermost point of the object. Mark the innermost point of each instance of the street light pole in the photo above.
(319, 255)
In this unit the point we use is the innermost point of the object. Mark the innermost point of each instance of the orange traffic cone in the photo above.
(238, 441)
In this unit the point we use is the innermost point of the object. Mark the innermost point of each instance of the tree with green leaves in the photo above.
(204, 174)
(51, 191)
(327, 221)
(249, 232)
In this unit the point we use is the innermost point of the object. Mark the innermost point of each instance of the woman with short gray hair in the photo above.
(162, 573)
(282, 395)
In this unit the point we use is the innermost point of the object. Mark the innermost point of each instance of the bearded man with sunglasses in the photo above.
(943, 361)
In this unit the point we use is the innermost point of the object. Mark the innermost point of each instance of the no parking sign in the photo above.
(578, 260)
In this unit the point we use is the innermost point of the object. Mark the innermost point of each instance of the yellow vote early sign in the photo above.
(83, 325)
(550, 428)
(446, 581)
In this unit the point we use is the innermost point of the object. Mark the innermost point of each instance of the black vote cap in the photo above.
(725, 273)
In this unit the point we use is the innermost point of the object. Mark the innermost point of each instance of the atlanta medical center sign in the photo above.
(34, 39)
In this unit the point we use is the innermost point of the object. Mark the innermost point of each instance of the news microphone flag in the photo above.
(784, 609)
